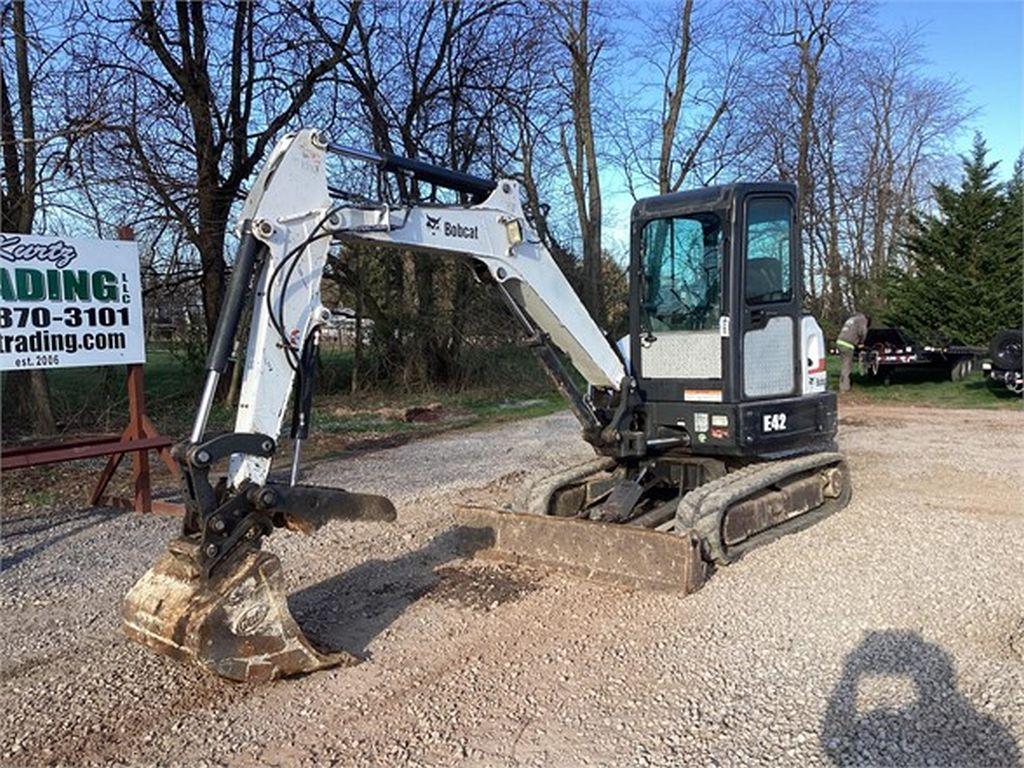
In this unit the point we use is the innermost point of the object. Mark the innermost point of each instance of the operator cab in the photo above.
(718, 336)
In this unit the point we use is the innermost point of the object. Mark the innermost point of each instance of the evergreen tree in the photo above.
(1011, 229)
(962, 276)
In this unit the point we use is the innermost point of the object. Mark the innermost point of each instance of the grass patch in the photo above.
(382, 414)
(508, 409)
(925, 389)
(42, 498)
(88, 400)
(361, 424)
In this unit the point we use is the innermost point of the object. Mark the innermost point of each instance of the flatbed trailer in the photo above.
(889, 351)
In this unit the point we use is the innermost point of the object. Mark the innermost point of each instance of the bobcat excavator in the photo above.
(712, 428)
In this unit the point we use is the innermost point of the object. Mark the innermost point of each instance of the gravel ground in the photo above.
(890, 634)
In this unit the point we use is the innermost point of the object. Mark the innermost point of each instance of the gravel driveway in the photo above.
(892, 633)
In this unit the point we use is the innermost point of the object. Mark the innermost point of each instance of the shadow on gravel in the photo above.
(345, 612)
(56, 522)
(939, 727)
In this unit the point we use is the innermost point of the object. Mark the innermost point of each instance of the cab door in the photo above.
(770, 297)
(680, 300)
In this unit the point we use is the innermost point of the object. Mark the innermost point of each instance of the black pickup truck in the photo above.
(1005, 363)
(887, 351)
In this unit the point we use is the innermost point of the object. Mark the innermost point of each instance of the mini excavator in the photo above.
(712, 427)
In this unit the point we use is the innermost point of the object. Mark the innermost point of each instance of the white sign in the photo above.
(66, 303)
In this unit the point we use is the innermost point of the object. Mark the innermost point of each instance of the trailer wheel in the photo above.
(958, 370)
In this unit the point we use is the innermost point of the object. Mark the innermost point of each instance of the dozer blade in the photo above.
(630, 556)
(508, 521)
(236, 624)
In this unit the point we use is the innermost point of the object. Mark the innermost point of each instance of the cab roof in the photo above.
(705, 198)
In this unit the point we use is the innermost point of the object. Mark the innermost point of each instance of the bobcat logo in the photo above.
(433, 222)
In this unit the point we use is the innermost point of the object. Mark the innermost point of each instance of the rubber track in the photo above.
(703, 508)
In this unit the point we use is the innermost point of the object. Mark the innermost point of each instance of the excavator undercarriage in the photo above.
(665, 533)
(711, 423)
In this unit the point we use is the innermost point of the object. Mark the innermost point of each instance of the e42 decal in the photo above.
(773, 422)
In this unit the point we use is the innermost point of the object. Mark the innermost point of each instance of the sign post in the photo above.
(69, 303)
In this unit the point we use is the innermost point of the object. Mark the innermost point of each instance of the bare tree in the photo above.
(430, 81)
(33, 156)
(800, 41)
(700, 76)
(904, 127)
(197, 94)
(583, 41)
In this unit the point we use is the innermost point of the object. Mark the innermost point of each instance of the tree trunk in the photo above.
(429, 363)
(357, 343)
(213, 215)
(675, 102)
(26, 402)
(581, 158)
(26, 395)
(212, 231)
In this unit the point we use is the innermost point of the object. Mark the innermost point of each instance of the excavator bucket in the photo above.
(235, 620)
(236, 624)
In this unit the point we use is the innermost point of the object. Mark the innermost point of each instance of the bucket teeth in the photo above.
(236, 624)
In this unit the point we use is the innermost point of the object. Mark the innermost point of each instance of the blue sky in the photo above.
(978, 42)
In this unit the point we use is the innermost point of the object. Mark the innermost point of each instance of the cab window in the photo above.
(769, 225)
(682, 264)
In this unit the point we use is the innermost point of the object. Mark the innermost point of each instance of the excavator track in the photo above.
(757, 504)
